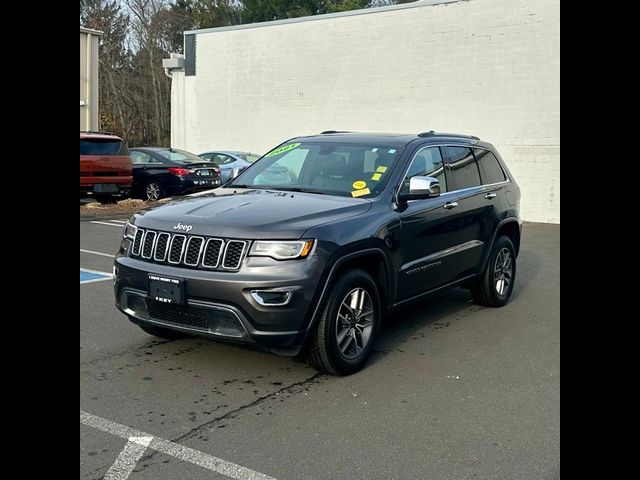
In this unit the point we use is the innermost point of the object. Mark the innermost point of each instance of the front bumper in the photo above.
(219, 304)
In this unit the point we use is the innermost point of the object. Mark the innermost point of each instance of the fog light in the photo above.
(271, 298)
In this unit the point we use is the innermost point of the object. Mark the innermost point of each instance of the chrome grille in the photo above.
(147, 245)
(212, 253)
(176, 249)
(188, 251)
(137, 242)
(162, 245)
(233, 254)
(194, 247)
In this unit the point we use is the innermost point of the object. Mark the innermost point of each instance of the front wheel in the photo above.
(348, 325)
(494, 288)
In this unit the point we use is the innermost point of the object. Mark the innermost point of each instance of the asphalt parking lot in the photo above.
(454, 390)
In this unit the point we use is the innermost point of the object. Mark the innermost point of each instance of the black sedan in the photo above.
(160, 172)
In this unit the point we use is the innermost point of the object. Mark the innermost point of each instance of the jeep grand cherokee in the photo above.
(358, 225)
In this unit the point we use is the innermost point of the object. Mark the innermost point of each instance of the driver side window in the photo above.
(427, 163)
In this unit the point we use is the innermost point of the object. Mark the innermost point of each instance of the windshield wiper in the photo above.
(300, 189)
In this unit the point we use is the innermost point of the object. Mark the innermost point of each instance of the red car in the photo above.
(105, 166)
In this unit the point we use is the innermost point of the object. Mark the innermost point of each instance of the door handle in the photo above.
(450, 205)
(491, 195)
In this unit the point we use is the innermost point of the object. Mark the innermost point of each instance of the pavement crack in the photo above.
(233, 413)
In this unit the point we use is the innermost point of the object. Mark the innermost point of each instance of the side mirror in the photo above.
(419, 188)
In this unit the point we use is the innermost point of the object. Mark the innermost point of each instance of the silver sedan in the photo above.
(231, 163)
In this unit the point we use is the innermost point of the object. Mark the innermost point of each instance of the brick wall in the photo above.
(484, 67)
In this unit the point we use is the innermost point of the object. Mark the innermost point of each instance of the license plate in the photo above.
(166, 289)
(105, 188)
(203, 173)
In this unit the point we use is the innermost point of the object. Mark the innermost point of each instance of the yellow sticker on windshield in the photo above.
(359, 184)
(280, 150)
(376, 176)
(381, 169)
(359, 193)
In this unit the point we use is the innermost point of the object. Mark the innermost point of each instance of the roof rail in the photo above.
(431, 133)
(333, 131)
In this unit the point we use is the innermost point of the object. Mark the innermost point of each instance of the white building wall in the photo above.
(484, 67)
(89, 107)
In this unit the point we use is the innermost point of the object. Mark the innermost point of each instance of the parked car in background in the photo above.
(231, 162)
(160, 172)
(105, 166)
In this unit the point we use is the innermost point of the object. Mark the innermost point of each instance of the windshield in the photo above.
(180, 156)
(343, 169)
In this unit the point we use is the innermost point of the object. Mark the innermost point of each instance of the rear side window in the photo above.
(103, 147)
(490, 167)
(462, 169)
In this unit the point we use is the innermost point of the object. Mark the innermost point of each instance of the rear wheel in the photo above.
(348, 325)
(494, 288)
(162, 332)
(153, 191)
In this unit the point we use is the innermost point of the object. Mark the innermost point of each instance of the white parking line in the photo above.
(119, 221)
(97, 253)
(187, 454)
(106, 223)
(126, 461)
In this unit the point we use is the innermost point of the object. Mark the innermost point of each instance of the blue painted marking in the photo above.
(86, 276)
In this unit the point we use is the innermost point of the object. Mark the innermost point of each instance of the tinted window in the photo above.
(103, 147)
(180, 156)
(462, 170)
(138, 158)
(427, 162)
(491, 170)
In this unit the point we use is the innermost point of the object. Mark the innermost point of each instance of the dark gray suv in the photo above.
(311, 246)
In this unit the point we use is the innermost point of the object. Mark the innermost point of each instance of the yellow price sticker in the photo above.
(376, 176)
(359, 184)
(359, 193)
(381, 169)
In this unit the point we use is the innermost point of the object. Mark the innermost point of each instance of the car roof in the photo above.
(391, 139)
(231, 152)
(153, 149)
(100, 135)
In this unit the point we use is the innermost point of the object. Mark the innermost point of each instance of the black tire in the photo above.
(325, 354)
(488, 290)
(162, 332)
(152, 186)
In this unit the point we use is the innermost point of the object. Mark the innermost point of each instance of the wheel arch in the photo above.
(374, 261)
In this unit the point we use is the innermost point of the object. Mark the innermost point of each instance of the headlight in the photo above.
(129, 231)
(281, 250)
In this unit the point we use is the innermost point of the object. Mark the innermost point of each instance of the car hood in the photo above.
(251, 214)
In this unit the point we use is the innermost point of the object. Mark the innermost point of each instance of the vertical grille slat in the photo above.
(147, 244)
(176, 249)
(233, 254)
(193, 250)
(212, 253)
(137, 242)
(162, 245)
(189, 251)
